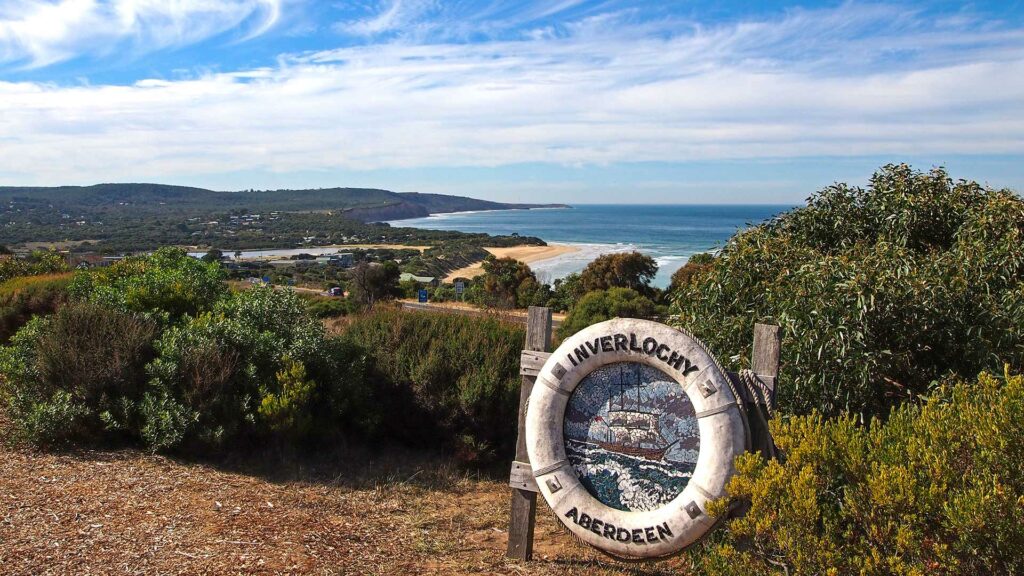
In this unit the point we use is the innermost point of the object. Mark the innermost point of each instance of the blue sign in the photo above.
(460, 287)
(423, 295)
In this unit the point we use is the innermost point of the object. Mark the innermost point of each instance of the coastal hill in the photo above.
(363, 204)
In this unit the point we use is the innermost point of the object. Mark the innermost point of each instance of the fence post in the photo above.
(764, 361)
(524, 502)
(767, 348)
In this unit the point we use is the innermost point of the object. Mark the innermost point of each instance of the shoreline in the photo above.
(440, 215)
(527, 254)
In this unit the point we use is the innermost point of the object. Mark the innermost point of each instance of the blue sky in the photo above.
(606, 101)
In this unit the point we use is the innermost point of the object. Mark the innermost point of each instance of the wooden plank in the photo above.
(531, 361)
(523, 512)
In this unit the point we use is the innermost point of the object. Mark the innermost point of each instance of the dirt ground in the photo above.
(130, 512)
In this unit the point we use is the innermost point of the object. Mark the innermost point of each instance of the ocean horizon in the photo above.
(669, 233)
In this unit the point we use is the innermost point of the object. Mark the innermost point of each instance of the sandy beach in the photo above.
(525, 254)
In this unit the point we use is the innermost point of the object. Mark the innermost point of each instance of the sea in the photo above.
(668, 233)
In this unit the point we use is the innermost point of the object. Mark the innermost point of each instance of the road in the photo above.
(514, 315)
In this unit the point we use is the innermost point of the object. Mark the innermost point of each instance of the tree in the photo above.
(506, 280)
(624, 270)
(601, 305)
(213, 255)
(372, 281)
(695, 265)
(566, 293)
(879, 291)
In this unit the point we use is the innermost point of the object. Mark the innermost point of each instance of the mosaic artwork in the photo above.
(631, 435)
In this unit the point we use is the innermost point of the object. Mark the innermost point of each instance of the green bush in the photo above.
(37, 263)
(23, 297)
(601, 305)
(76, 375)
(256, 364)
(165, 285)
(444, 379)
(329, 306)
(936, 489)
(879, 291)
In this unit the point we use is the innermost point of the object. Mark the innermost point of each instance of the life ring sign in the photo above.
(632, 428)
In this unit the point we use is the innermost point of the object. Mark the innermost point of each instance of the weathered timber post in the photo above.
(759, 386)
(524, 491)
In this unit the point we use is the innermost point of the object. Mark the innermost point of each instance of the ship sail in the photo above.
(631, 429)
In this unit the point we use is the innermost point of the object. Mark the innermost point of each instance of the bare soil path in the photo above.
(129, 512)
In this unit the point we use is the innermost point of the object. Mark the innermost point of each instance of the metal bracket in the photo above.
(521, 477)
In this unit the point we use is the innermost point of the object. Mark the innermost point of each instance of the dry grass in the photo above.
(128, 512)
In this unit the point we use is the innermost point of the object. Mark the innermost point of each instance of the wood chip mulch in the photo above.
(130, 512)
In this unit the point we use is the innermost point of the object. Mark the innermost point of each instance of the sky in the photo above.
(572, 101)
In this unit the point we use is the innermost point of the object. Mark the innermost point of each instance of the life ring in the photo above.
(621, 484)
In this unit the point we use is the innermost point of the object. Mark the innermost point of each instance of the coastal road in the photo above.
(513, 315)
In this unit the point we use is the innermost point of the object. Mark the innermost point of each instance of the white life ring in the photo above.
(722, 434)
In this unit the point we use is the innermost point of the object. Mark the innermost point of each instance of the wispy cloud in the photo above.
(604, 89)
(391, 16)
(36, 33)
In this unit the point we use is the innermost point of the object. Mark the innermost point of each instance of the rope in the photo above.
(757, 389)
(762, 395)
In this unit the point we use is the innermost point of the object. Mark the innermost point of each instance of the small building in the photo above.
(343, 260)
(407, 277)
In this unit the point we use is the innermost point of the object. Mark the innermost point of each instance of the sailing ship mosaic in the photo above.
(631, 436)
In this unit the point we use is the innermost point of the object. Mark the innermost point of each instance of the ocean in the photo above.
(668, 233)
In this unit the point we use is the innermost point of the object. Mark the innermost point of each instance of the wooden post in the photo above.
(524, 502)
(767, 348)
(764, 361)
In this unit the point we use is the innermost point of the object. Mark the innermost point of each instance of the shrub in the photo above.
(37, 263)
(937, 488)
(165, 285)
(602, 305)
(23, 297)
(328, 307)
(288, 408)
(257, 364)
(443, 378)
(879, 291)
(77, 375)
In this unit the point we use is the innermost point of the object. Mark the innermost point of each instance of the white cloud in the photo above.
(607, 92)
(37, 33)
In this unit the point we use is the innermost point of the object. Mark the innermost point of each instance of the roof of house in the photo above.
(405, 276)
